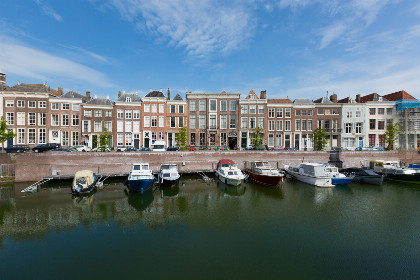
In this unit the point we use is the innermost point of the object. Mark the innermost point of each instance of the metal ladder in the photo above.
(34, 186)
(204, 176)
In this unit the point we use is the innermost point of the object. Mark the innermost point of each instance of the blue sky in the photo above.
(299, 48)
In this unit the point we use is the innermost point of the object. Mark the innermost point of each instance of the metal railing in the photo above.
(7, 170)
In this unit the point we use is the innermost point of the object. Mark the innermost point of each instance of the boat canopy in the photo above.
(225, 163)
(84, 177)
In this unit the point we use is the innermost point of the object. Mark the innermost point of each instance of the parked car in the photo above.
(174, 148)
(145, 150)
(101, 149)
(290, 149)
(126, 149)
(338, 149)
(62, 150)
(278, 148)
(17, 149)
(46, 147)
(379, 149)
(81, 148)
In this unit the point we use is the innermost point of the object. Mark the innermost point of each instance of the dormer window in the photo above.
(128, 99)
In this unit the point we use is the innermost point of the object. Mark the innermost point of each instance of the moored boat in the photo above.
(168, 175)
(393, 171)
(229, 173)
(338, 178)
(362, 175)
(262, 172)
(84, 182)
(140, 178)
(310, 173)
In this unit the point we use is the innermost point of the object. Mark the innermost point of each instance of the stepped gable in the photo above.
(100, 101)
(402, 94)
(134, 97)
(178, 97)
(155, 93)
(31, 88)
(279, 101)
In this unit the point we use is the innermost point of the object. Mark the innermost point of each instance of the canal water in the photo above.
(208, 230)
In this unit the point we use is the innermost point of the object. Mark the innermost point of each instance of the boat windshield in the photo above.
(167, 167)
(81, 180)
(228, 165)
(233, 173)
(259, 164)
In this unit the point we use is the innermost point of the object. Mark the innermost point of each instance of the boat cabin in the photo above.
(226, 163)
(140, 166)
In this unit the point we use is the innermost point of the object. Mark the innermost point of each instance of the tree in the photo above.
(5, 133)
(104, 139)
(391, 133)
(319, 139)
(182, 138)
(256, 138)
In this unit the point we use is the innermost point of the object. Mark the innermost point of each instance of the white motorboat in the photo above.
(338, 178)
(229, 173)
(310, 173)
(140, 178)
(168, 174)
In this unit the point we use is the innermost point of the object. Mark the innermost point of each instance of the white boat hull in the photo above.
(229, 180)
(323, 182)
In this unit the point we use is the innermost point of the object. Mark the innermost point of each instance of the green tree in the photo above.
(182, 138)
(256, 138)
(104, 139)
(5, 133)
(319, 139)
(391, 134)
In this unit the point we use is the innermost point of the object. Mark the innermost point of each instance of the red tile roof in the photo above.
(252, 93)
(398, 96)
(318, 100)
(279, 101)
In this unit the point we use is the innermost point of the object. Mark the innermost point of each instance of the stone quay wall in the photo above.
(34, 166)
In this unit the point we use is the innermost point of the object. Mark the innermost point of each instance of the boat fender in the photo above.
(141, 190)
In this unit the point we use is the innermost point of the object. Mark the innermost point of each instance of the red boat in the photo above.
(262, 172)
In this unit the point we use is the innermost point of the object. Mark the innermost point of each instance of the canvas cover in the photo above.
(87, 175)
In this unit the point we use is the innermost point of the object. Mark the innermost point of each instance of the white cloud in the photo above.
(332, 32)
(201, 27)
(48, 10)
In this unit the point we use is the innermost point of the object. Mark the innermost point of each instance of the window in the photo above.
(120, 114)
(31, 104)
(31, 136)
(270, 140)
(278, 140)
(232, 121)
(261, 122)
(334, 111)
(154, 108)
(161, 108)
(358, 114)
(310, 112)
(86, 126)
(75, 138)
(358, 127)
(10, 103)
(335, 125)
(202, 139)
(108, 126)
(297, 112)
(212, 123)
(98, 113)
(55, 120)
(381, 139)
(348, 128)
(372, 124)
(260, 109)
(75, 107)
(303, 125)
(65, 106)
(193, 122)
(279, 112)
(43, 104)
(381, 125)
(372, 111)
(120, 139)
(146, 121)
(309, 125)
(372, 140)
(136, 114)
(180, 121)
(21, 136)
(192, 139)
(252, 109)
(88, 113)
(389, 111)
(42, 119)
(120, 126)
(98, 126)
(192, 105)
(10, 118)
(20, 103)
(213, 106)
(389, 122)
(173, 109)
(128, 139)
(21, 118)
(128, 114)
(244, 122)
(303, 112)
(32, 118)
(173, 122)
(42, 135)
(64, 120)
(223, 139)
(252, 123)
(288, 112)
(327, 124)
(244, 109)
(223, 122)
(75, 120)
(136, 126)
(223, 105)
(128, 126)
(202, 105)
(202, 122)
(271, 112)
(297, 125)
(271, 125)
(161, 121)
(320, 111)
(128, 99)
(349, 114)
(181, 109)
(327, 112)
(288, 125)
(54, 106)
(154, 121)
(279, 125)
(381, 111)
(233, 105)
(146, 108)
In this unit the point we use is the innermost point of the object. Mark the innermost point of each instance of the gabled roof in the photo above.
(323, 100)
(3, 87)
(31, 88)
(302, 101)
(73, 94)
(155, 93)
(371, 97)
(347, 100)
(279, 101)
(134, 97)
(100, 101)
(398, 96)
(252, 93)
(178, 97)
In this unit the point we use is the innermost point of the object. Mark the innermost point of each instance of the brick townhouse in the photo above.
(126, 120)
(327, 114)
(154, 116)
(177, 117)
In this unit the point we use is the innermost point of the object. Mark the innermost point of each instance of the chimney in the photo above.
(87, 96)
(119, 93)
(358, 98)
(60, 91)
(263, 94)
(2, 78)
(333, 98)
(169, 95)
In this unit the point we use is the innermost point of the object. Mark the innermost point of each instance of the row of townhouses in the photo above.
(39, 114)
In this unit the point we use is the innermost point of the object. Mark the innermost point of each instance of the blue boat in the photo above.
(338, 178)
(140, 178)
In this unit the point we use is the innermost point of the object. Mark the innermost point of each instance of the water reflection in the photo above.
(231, 190)
(138, 201)
(83, 200)
(169, 191)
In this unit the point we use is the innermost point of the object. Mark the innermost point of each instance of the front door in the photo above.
(94, 141)
(136, 143)
(232, 143)
(287, 140)
(360, 142)
(244, 140)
